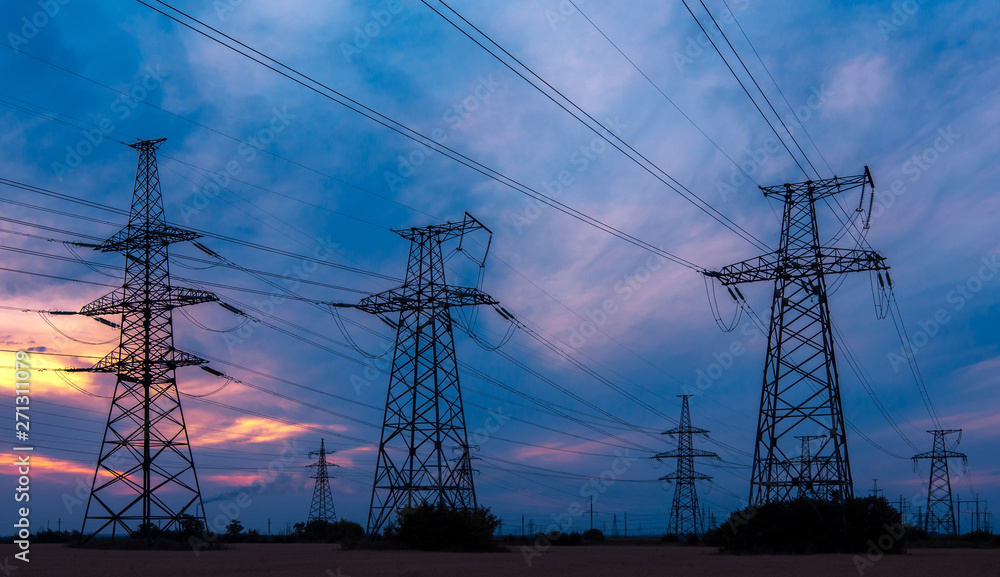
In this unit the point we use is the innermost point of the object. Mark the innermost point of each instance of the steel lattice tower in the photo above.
(940, 515)
(424, 423)
(322, 508)
(145, 476)
(801, 390)
(685, 516)
(807, 488)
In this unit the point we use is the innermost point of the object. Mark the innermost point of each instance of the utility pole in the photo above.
(801, 389)
(321, 508)
(684, 513)
(591, 511)
(424, 419)
(973, 515)
(145, 473)
(940, 515)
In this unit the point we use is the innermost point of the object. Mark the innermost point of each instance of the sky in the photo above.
(908, 89)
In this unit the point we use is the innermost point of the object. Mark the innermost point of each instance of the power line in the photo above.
(604, 133)
(743, 86)
(403, 130)
(662, 93)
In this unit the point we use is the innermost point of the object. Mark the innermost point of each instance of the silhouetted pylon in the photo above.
(145, 478)
(940, 514)
(322, 508)
(685, 515)
(801, 388)
(424, 419)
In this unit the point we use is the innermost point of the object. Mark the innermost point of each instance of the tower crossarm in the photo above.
(148, 234)
(941, 455)
(819, 189)
(403, 299)
(683, 430)
(692, 476)
(684, 453)
(444, 232)
(776, 265)
(114, 362)
(116, 303)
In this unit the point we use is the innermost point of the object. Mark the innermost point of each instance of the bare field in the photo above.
(246, 560)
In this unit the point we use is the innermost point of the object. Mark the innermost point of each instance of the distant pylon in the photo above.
(685, 516)
(940, 514)
(801, 390)
(805, 467)
(145, 477)
(322, 508)
(424, 419)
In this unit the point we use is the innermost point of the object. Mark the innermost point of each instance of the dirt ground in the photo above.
(248, 560)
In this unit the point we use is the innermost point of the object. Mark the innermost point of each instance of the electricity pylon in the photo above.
(940, 514)
(322, 508)
(145, 477)
(801, 391)
(806, 488)
(685, 516)
(424, 419)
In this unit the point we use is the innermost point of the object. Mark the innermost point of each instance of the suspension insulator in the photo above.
(232, 309)
(210, 370)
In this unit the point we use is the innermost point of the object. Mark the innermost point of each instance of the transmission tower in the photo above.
(424, 423)
(801, 391)
(321, 508)
(806, 487)
(145, 476)
(685, 516)
(940, 514)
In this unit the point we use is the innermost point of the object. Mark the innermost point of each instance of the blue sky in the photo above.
(877, 83)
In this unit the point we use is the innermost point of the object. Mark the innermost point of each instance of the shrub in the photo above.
(324, 531)
(440, 528)
(593, 535)
(813, 526)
